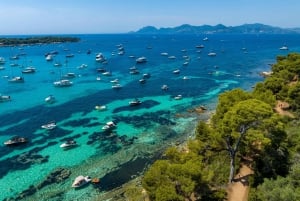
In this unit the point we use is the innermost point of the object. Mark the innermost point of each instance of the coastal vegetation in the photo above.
(36, 40)
(257, 129)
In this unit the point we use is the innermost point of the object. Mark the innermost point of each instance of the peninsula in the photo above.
(9, 41)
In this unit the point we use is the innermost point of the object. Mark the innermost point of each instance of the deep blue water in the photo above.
(142, 130)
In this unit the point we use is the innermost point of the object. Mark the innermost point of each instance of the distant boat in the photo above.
(63, 83)
(178, 97)
(16, 140)
(171, 57)
(68, 144)
(17, 79)
(200, 46)
(116, 86)
(205, 39)
(165, 87)
(100, 107)
(2, 60)
(185, 78)
(141, 60)
(49, 57)
(212, 54)
(177, 71)
(164, 54)
(81, 181)
(135, 102)
(284, 48)
(109, 125)
(50, 99)
(29, 70)
(4, 98)
(49, 126)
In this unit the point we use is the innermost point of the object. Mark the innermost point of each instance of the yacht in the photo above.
(116, 86)
(164, 54)
(63, 83)
(4, 98)
(17, 79)
(109, 125)
(81, 181)
(68, 144)
(16, 140)
(49, 57)
(29, 70)
(141, 60)
(100, 107)
(49, 126)
(135, 102)
(178, 97)
(212, 54)
(177, 71)
(284, 48)
(165, 87)
(50, 99)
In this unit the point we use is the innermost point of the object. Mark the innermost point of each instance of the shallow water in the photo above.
(142, 131)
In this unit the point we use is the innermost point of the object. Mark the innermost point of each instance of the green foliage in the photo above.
(37, 40)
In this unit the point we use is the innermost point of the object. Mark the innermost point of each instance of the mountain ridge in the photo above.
(256, 28)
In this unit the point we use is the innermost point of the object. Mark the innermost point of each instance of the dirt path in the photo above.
(239, 189)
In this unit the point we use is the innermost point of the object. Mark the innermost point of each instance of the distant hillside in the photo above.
(208, 29)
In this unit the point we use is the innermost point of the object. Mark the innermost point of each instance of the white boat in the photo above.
(177, 71)
(49, 57)
(4, 98)
(50, 99)
(165, 87)
(17, 79)
(171, 57)
(284, 48)
(185, 78)
(135, 102)
(15, 140)
(164, 54)
(109, 125)
(49, 126)
(178, 97)
(68, 144)
(63, 83)
(100, 58)
(81, 181)
(116, 86)
(107, 73)
(212, 54)
(115, 81)
(2, 60)
(205, 39)
(100, 107)
(141, 60)
(29, 70)
(185, 63)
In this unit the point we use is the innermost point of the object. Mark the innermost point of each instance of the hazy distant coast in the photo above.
(256, 28)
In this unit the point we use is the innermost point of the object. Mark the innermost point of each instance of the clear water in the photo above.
(141, 131)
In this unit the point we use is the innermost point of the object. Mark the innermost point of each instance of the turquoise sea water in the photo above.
(142, 131)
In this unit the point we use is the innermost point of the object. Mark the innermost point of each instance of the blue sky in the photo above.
(121, 16)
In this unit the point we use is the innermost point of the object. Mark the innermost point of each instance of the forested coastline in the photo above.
(259, 129)
(36, 40)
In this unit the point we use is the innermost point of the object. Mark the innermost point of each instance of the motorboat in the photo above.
(185, 63)
(146, 75)
(185, 78)
(134, 72)
(69, 55)
(106, 73)
(16, 79)
(109, 125)
(4, 98)
(82, 66)
(116, 86)
(63, 83)
(141, 60)
(142, 81)
(100, 58)
(205, 39)
(29, 70)
(212, 54)
(115, 81)
(200, 46)
(171, 57)
(81, 181)
(165, 87)
(49, 126)
(2, 60)
(178, 97)
(177, 71)
(164, 54)
(284, 48)
(50, 99)
(68, 144)
(135, 102)
(49, 57)
(100, 107)
(69, 75)
(15, 140)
